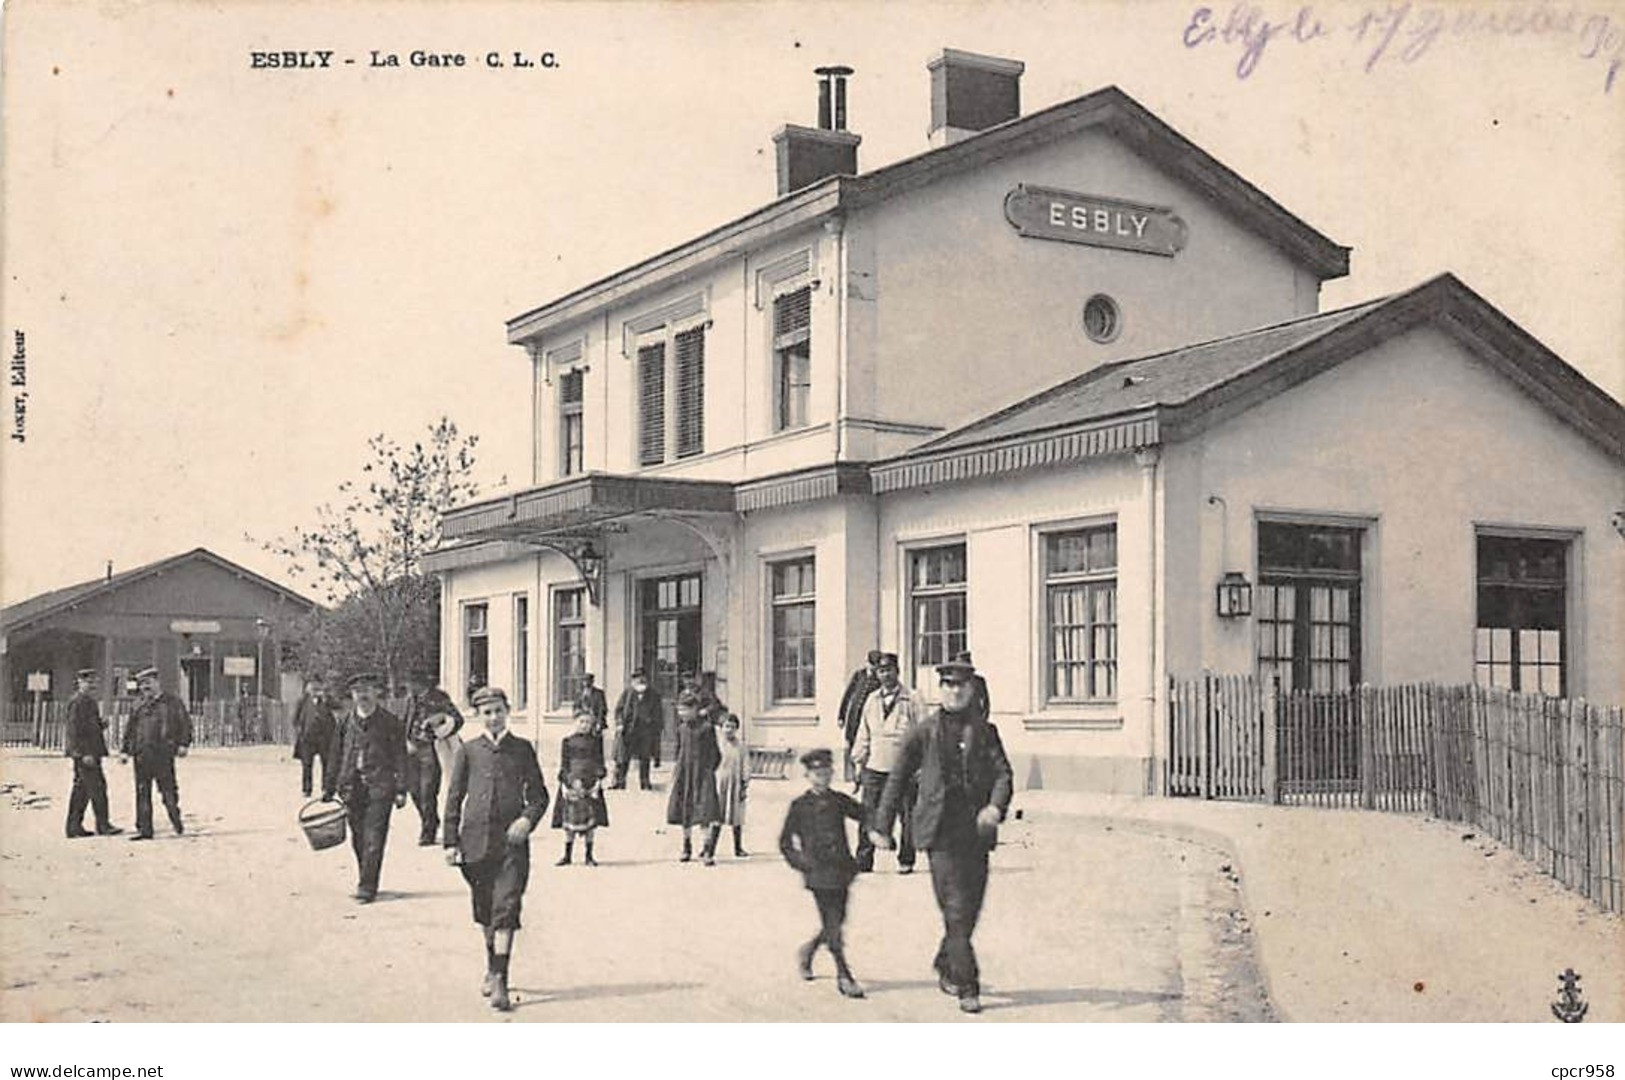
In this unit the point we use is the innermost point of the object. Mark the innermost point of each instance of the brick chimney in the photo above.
(971, 93)
(807, 155)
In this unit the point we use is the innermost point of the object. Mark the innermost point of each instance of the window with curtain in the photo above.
(792, 358)
(521, 650)
(1519, 640)
(476, 647)
(569, 645)
(572, 430)
(937, 606)
(793, 589)
(1080, 605)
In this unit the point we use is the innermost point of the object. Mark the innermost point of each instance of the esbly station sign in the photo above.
(1053, 214)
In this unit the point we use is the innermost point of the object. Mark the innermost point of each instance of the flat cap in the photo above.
(366, 678)
(639, 673)
(147, 673)
(887, 659)
(488, 693)
(818, 759)
(85, 673)
(874, 657)
(958, 669)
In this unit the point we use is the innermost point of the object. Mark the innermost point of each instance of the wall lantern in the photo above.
(591, 565)
(1235, 595)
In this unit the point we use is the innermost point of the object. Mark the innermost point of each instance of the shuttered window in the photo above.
(792, 358)
(691, 392)
(652, 403)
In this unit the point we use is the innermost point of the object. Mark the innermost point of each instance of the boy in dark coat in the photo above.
(495, 799)
(813, 841)
(965, 785)
(370, 748)
(581, 807)
(86, 746)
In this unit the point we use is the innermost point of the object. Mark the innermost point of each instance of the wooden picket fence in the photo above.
(214, 723)
(1545, 776)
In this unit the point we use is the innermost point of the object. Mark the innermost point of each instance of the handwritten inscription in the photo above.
(1405, 31)
(324, 59)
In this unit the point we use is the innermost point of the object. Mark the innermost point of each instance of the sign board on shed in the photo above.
(239, 665)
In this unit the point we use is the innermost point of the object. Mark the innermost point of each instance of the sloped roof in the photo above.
(1182, 391)
(1109, 108)
(16, 616)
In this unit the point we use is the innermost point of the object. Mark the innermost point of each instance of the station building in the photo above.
(212, 628)
(1057, 390)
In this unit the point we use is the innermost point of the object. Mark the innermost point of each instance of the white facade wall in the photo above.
(1102, 745)
(1422, 442)
(736, 296)
(954, 314)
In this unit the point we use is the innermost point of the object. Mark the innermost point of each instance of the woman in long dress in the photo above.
(693, 799)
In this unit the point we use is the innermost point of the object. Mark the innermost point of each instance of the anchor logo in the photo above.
(1568, 1007)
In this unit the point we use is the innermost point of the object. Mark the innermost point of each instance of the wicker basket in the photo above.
(323, 822)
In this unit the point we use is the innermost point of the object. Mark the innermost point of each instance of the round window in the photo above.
(1101, 319)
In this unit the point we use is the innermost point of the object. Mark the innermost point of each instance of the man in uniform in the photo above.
(495, 799)
(964, 792)
(638, 720)
(158, 732)
(863, 682)
(371, 751)
(430, 715)
(888, 716)
(86, 746)
(313, 730)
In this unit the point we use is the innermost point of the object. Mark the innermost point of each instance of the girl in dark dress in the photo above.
(581, 807)
(693, 799)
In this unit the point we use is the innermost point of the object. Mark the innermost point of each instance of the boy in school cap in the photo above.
(494, 800)
(814, 841)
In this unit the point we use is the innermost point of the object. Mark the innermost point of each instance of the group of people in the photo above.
(941, 771)
(944, 773)
(158, 731)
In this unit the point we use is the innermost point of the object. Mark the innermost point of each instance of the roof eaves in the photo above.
(795, 210)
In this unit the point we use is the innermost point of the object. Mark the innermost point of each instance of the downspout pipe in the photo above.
(1149, 460)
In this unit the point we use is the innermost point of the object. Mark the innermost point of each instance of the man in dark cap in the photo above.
(86, 745)
(158, 732)
(965, 785)
(313, 729)
(888, 716)
(495, 799)
(813, 841)
(593, 700)
(430, 716)
(863, 682)
(370, 748)
(638, 720)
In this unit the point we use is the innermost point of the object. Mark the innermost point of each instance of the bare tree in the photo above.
(365, 551)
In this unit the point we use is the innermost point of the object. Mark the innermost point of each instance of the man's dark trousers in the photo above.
(160, 771)
(369, 830)
(874, 785)
(959, 879)
(307, 769)
(423, 781)
(89, 789)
